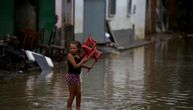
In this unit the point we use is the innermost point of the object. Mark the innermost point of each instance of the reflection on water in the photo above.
(154, 77)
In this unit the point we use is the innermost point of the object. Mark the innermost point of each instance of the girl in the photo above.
(75, 63)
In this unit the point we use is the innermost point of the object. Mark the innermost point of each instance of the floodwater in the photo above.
(154, 77)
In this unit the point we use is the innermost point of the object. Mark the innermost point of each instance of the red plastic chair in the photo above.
(90, 42)
(90, 50)
(89, 47)
(96, 54)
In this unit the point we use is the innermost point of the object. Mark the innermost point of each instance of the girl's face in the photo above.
(73, 49)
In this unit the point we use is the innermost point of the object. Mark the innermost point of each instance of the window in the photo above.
(129, 8)
(111, 8)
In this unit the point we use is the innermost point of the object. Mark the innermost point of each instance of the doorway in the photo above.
(94, 20)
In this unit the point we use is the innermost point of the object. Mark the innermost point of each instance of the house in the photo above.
(126, 19)
(19, 15)
(27, 14)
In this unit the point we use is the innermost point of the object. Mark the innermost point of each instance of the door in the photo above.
(7, 17)
(46, 17)
(138, 18)
(94, 20)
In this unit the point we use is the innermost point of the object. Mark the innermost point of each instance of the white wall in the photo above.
(79, 16)
(138, 18)
(120, 20)
(58, 11)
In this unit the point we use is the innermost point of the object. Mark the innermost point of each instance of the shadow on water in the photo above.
(155, 77)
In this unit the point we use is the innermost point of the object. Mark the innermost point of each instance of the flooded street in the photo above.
(154, 77)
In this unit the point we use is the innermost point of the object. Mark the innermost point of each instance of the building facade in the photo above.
(126, 19)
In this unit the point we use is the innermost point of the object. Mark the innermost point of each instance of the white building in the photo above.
(126, 19)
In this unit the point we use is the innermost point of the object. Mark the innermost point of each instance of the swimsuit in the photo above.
(73, 75)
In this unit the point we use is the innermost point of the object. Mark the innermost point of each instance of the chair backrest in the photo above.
(90, 50)
(90, 42)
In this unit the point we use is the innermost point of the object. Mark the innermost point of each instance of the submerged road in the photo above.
(154, 77)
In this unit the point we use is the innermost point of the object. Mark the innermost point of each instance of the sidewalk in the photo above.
(106, 49)
(137, 43)
(134, 44)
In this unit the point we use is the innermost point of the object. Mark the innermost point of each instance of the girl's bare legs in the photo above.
(78, 96)
(72, 91)
(69, 108)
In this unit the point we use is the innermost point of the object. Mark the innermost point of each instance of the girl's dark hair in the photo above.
(78, 44)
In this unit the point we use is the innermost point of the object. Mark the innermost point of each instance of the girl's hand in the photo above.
(89, 68)
(84, 60)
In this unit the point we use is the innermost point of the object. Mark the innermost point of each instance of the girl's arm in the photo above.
(70, 58)
(85, 66)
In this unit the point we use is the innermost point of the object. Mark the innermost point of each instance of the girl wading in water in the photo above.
(75, 63)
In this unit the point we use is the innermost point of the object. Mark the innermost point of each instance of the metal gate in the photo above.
(94, 19)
